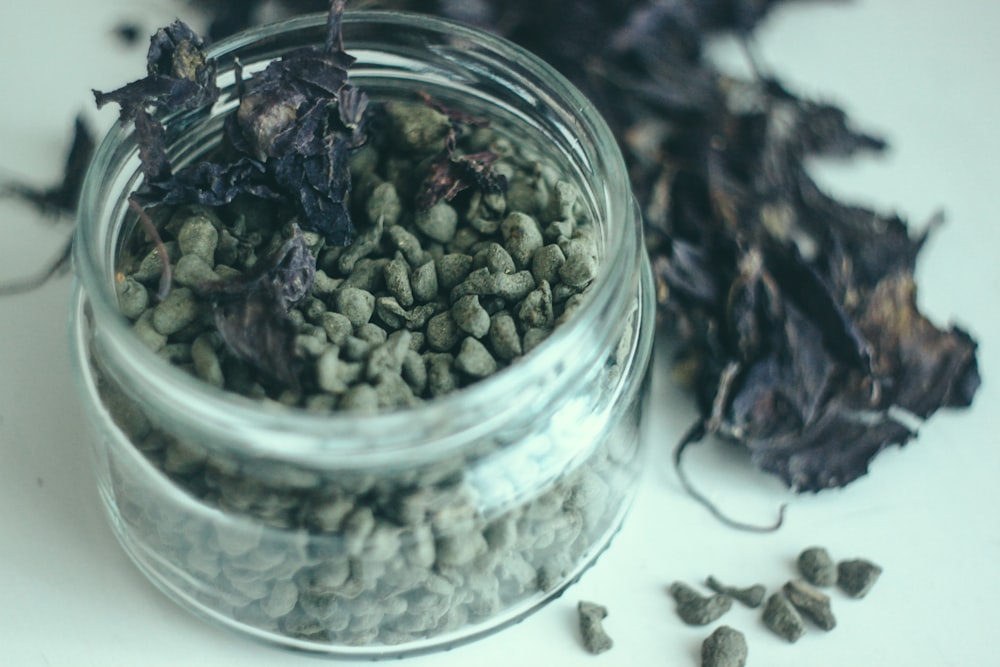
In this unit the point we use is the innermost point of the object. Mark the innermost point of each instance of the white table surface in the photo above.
(923, 73)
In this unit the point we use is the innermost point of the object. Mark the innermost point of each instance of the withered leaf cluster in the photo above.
(296, 125)
(289, 139)
(795, 313)
(251, 311)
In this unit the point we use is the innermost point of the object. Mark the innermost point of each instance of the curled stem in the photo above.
(161, 250)
(693, 435)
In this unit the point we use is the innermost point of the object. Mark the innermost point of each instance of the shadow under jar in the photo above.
(407, 530)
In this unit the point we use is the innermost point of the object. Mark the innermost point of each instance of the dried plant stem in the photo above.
(161, 250)
(693, 435)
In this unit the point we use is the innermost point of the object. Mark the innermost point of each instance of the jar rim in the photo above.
(296, 432)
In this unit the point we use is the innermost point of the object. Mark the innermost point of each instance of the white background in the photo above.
(923, 73)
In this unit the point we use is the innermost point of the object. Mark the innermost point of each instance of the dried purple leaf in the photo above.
(178, 76)
(796, 313)
(251, 311)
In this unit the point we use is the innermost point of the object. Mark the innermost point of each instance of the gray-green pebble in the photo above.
(591, 618)
(810, 602)
(176, 311)
(470, 316)
(696, 609)
(198, 236)
(357, 305)
(725, 647)
(782, 618)
(817, 567)
(474, 359)
(857, 576)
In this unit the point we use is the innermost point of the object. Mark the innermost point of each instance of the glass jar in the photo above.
(411, 530)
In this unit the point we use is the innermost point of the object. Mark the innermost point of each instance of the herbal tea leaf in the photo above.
(251, 311)
(179, 77)
(796, 313)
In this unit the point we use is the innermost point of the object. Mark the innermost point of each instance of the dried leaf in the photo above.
(796, 313)
(251, 311)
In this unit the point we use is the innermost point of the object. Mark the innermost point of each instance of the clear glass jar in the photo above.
(412, 530)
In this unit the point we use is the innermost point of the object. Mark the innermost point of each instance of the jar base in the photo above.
(159, 572)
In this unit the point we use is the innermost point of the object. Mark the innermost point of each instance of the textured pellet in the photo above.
(198, 236)
(151, 266)
(414, 371)
(503, 337)
(282, 599)
(324, 285)
(175, 312)
(535, 311)
(750, 596)
(470, 316)
(442, 332)
(372, 334)
(360, 397)
(441, 379)
(591, 616)
(857, 576)
(389, 312)
(696, 609)
(438, 222)
(817, 567)
(456, 550)
(424, 282)
(408, 244)
(337, 327)
(132, 297)
(546, 262)
(452, 269)
(357, 305)
(725, 647)
(383, 205)
(387, 358)
(417, 128)
(393, 392)
(562, 198)
(498, 260)
(474, 359)
(781, 617)
(580, 266)
(206, 361)
(810, 602)
(194, 272)
(522, 237)
(333, 374)
(363, 246)
(397, 281)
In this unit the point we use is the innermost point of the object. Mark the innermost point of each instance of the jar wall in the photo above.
(394, 533)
